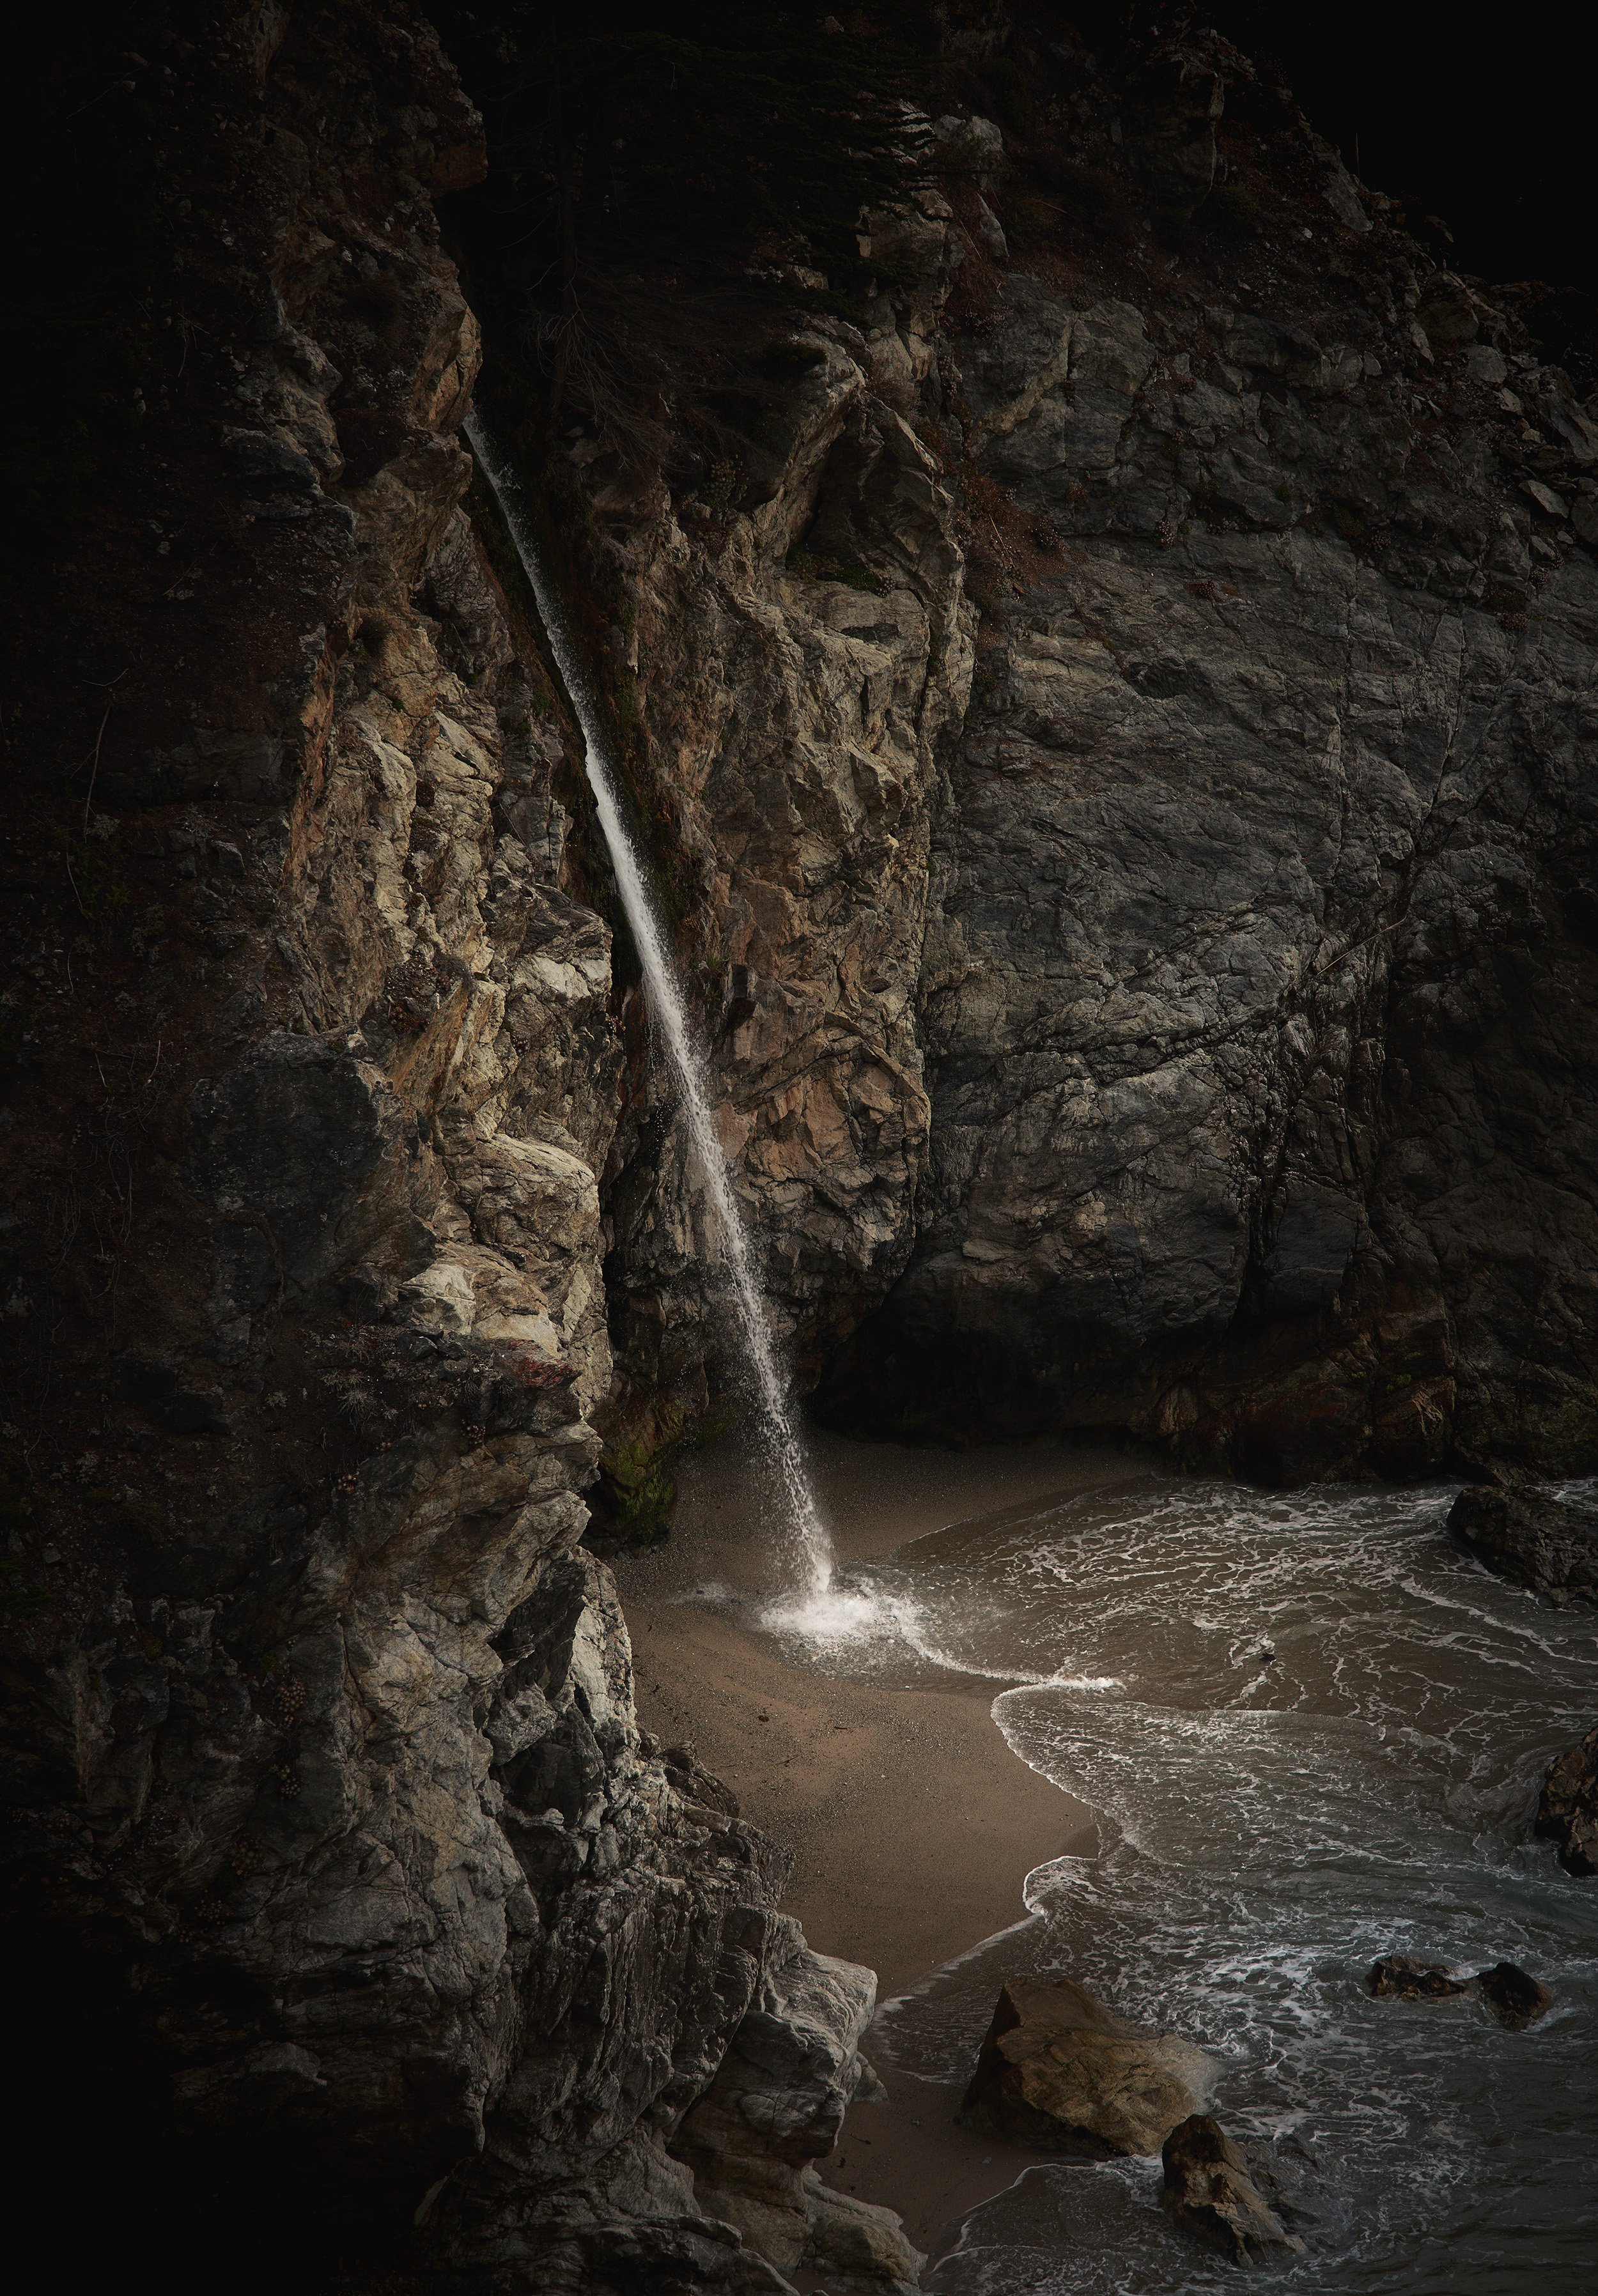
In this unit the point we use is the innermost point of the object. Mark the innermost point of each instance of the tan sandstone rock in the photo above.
(1060, 2072)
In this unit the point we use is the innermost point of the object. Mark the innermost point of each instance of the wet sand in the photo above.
(911, 1825)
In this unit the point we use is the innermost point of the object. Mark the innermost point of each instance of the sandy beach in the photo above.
(911, 1825)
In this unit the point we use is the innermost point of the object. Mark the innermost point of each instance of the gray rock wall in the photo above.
(1235, 1027)
(1251, 996)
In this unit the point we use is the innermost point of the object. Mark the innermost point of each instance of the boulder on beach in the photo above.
(1567, 1811)
(1399, 1977)
(1209, 2192)
(1059, 2071)
(1513, 1995)
(775, 2108)
(856, 2244)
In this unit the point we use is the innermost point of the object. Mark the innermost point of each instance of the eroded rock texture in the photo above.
(1113, 726)
(1060, 2072)
(324, 1772)
(1257, 985)
(1541, 1538)
(1198, 1045)
(1208, 2191)
(1568, 1805)
(798, 666)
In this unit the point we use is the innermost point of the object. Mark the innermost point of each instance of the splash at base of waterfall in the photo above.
(832, 1613)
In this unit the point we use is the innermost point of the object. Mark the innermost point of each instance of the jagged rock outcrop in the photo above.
(799, 662)
(259, 1678)
(1568, 1805)
(1250, 904)
(775, 2107)
(322, 1763)
(1197, 1045)
(1401, 1977)
(1543, 1538)
(1513, 1996)
(1257, 940)
(1208, 2191)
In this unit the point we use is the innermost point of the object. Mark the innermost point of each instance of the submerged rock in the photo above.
(1059, 2071)
(1399, 1977)
(1513, 1995)
(1567, 1811)
(1529, 1534)
(1209, 2193)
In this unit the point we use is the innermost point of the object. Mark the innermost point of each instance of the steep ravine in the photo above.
(1117, 750)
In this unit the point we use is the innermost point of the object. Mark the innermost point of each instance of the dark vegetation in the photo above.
(637, 1482)
(1484, 141)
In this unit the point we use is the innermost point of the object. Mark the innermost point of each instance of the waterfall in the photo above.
(671, 1015)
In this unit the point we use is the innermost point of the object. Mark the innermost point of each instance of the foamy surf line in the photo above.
(838, 1613)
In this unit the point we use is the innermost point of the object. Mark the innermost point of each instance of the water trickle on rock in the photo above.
(812, 1545)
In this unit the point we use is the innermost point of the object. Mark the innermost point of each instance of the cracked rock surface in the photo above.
(1191, 1035)
(325, 1787)
(1257, 982)
(1114, 737)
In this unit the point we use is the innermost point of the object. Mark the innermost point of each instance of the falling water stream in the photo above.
(809, 1534)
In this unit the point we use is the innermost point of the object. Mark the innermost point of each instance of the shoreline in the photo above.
(911, 1825)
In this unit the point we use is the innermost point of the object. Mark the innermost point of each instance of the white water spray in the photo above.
(665, 998)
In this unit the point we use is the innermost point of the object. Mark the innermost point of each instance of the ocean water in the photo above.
(1313, 1731)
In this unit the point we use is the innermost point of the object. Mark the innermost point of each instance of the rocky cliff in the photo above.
(1193, 1041)
(325, 1784)
(1109, 709)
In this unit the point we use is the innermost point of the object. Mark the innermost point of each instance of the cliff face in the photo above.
(802, 661)
(1114, 737)
(322, 1732)
(1259, 994)
(1233, 1036)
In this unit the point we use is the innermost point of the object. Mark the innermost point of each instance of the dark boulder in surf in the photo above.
(1399, 1977)
(1060, 2072)
(1513, 1995)
(1209, 2191)
(1567, 1811)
